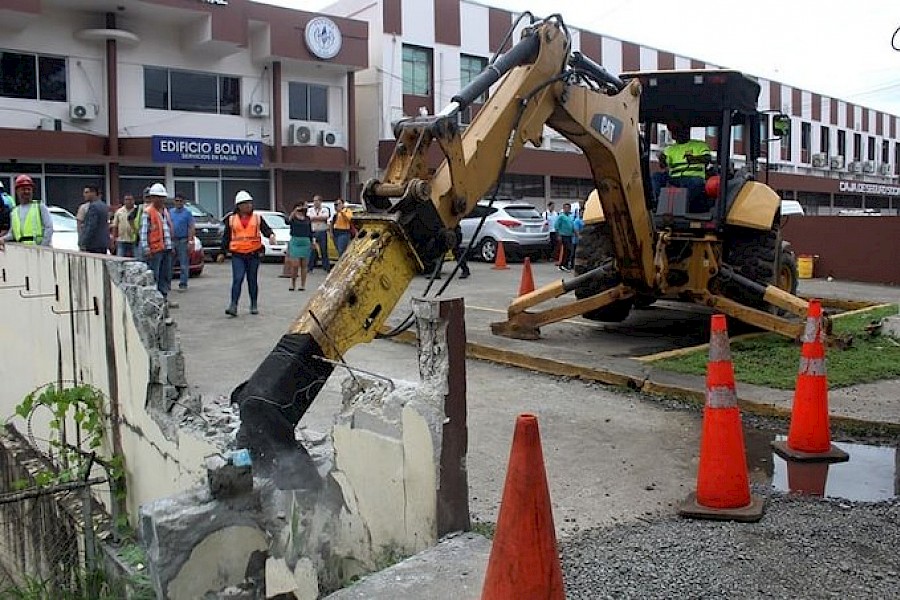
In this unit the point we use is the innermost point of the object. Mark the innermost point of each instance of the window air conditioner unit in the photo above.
(83, 112)
(259, 110)
(302, 135)
(837, 162)
(329, 137)
(854, 167)
(869, 166)
(820, 161)
(885, 169)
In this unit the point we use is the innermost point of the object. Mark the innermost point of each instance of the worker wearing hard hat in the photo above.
(242, 239)
(155, 239)
(30, 222)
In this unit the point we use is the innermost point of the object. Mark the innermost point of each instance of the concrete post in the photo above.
(442, 355)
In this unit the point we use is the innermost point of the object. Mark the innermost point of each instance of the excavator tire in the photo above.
(752, 253)
(788, 276)
(595, 246)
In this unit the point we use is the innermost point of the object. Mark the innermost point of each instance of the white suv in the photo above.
(519, 225)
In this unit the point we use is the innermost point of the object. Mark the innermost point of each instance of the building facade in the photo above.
(206, 96)
(839, 156)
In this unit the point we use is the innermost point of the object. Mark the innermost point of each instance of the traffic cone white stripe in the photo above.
(721, 397)
(812, 366)
(813, 330)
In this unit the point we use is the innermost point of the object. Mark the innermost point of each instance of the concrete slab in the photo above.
(452, 570)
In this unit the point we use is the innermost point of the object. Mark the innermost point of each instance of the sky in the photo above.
(842, 49)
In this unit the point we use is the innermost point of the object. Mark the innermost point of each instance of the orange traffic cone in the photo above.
(500, 259)
(809, 437)
(524, 561)
(526, 285)
(807, 478)
(723, 487)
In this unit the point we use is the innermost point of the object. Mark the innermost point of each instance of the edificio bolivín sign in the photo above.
(207, 151)
(861, 187)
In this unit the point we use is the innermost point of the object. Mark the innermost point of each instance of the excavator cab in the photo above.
(720, 103)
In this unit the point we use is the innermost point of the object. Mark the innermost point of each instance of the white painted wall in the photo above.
(155, 466)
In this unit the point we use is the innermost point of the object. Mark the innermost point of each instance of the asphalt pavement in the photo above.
(612, 456)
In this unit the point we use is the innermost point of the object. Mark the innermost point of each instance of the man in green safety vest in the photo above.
(684, 165)
(31, 223)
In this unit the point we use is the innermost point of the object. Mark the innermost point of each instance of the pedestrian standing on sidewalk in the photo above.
(183, 222)
(94, 235)
(30, 222)
(550, 215)
(565, 228)
(300, 246)
(242, 239)
(125, 227)
(341, 226)
(156, 237)
(319, 215)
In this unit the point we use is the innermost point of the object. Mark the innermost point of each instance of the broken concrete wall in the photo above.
(100, 321)
(381, 487)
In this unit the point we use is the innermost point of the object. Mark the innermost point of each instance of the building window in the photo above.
(805, 142)
(896, 157)
(871, 149)
(469, 68)
(885, 152)
(824, 139)
(857, 146)
(32, 77)
(416, 71)
(307, 102)
(167, 89)
(521, 186)
(842, 143)
(786, 146)
(570, 188)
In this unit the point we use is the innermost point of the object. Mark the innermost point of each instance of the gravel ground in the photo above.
(802, 548)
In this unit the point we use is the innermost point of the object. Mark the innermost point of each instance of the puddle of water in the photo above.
(872, 474)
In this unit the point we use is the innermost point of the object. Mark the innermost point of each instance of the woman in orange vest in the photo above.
(243, 240)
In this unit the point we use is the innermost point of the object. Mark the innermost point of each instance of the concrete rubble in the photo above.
(169, 401)
(369, 497)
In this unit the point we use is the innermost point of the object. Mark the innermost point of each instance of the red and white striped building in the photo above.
(839, 156)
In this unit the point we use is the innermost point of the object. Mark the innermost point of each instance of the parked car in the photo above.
(196, 260)
(207, 228)
(277, 221)
(65, 229)
(519, 225)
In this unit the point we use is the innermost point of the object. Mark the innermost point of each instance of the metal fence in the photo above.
(51, 535)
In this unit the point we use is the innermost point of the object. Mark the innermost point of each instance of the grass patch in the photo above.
(772, 360)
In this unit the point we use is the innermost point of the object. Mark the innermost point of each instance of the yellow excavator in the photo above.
(634, 249)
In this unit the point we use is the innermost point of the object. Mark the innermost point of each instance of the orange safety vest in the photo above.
(156, 237)
(245, 240)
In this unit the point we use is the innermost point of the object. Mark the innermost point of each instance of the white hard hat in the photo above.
(157, 189)
(242, 196)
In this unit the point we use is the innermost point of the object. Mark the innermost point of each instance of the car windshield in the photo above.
(522, 212)
(62, 222)
(198, 212)
(275, 221)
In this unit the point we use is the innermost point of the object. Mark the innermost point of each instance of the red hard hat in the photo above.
(712, 186)
(24, 181)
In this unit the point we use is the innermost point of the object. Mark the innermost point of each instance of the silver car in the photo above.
(519, 225)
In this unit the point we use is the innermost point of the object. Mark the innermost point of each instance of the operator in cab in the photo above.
(684, 165)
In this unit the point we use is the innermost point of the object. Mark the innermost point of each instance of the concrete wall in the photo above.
(849, 248)
(129, 351)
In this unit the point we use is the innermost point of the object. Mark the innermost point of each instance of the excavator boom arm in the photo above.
(411, 214)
